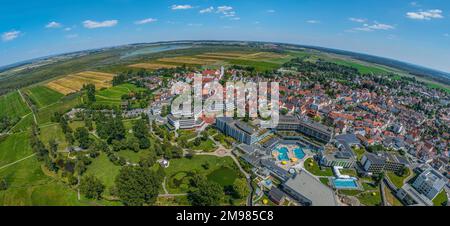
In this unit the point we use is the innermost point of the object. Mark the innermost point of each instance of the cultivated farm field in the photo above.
(12, 105)
(152, 66)
(73, 83)
(189, 60)
(43, 96)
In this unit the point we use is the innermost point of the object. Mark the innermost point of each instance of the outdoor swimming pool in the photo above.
(283, 154)
(286, 152)
(298, 152)
(345, 183)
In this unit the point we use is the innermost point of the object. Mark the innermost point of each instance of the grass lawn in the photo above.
(206, 146)
(223, 176)
(350, 172)
(43, 96)
(226, 141)
(350, 192)
(12, 105)
(113, 95)
(181, 171)
(104, 170)
(370, 198)
(369, 186)
(363, 69)
(132, 156)
(53, 131)
(65, 104)
(77, 124)
(390, 197)
(396, 180)
(325, 181)
(187, 134)
(359, 153)
(258, 65)
(28, 184)
(440, 199)
(24, 124)
(14, 147)
(313, 167)
(172, 201)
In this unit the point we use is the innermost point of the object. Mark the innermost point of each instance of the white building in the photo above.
(430, 183)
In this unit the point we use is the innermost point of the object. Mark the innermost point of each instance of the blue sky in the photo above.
(413, 31)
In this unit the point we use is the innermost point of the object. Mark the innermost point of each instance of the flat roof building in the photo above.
(309, 191)
(239, 130)
(305, 126)
(430, 183)
(383, 162)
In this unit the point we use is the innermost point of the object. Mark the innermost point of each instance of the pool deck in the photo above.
(291, 155)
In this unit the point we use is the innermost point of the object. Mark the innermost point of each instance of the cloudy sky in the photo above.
(413, 31)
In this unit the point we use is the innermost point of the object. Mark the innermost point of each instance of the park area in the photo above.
(220, 170)
(113, 96)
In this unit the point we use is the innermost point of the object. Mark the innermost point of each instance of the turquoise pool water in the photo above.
(345, 183)
(298, 152)
(283, 154)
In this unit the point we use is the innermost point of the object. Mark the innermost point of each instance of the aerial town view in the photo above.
(160, 103)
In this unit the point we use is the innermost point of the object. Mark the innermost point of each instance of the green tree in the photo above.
(148, 161)
(82, 136)
(137, 186)
(91, 187)
(133, 144)
(240, 188)
(3, 185)
(205, 193)
(53, 148)
(90, 92)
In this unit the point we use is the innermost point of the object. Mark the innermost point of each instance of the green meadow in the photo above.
(220, 170)
(63, 105)
(12, 105)
(113, 95)
(43, 96)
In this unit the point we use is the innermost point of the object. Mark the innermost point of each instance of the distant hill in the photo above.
(416, 70)
(29, 72)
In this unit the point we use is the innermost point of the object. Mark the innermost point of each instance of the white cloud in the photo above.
(207, 10)
(270, 11)
(181, 7)
(224, 9)
(53, 24)
(375, 26)
(146, 21)
(313, 21)
(94, 24)
(357, 20)
(68, 29)
(425, 15)
(10, 35)
(378, 26)
(446, 35)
